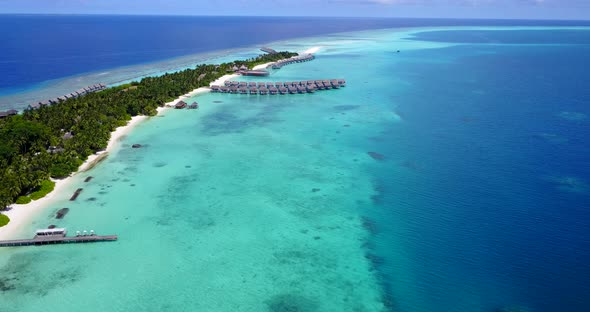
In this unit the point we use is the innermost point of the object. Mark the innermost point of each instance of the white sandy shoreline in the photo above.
(20, 215)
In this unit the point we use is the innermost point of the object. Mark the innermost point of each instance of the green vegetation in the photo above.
(37, 145)
(22, 200)
(4, 220)
(45, 188)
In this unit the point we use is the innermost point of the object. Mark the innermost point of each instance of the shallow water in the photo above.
(429, 183)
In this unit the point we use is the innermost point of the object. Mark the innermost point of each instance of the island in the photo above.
(51, 141)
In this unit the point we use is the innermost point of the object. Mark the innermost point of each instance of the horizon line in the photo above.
(303, 16)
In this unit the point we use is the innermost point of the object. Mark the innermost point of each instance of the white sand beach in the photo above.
(21, 214)
(312, 50)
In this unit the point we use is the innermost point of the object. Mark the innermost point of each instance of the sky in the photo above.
(510, 9)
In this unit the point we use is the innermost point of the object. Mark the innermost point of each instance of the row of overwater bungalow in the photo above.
(291, 87)
(268, 50)
(75, 94)
(291, 60)
(7, 113)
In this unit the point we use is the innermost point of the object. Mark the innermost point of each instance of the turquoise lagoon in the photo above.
(272, 203)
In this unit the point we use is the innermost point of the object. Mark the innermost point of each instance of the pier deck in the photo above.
(295, 59)
(291, 87)
(57, 240)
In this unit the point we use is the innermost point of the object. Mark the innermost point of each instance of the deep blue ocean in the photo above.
(482, 197)
(495, 198)
(38, 48)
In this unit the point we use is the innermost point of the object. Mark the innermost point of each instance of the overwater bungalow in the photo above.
(273, 90)
(252, 84)
(243, 84)
(292, 90)
(243, 90)
(180, 105)
(283, 90)
(278, 84)
(263, 91)
(215, 88)
(342, 82)
(194, 105)
(243, 67)
(227, 83)
(233, 89)
(301, 89)
(235, 68)
(7, 113)
(61, 98)
(270, 84)
(34, 106)
(224, 89)
(253, 90)
(261, 84)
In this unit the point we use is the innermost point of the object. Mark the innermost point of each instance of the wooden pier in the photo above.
(273, 88)
(291, 60)
(56, 236)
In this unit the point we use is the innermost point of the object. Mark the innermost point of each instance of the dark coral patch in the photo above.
(369, 225)
(291, 303)
(159, 164)
(346, 107)
(376, 155)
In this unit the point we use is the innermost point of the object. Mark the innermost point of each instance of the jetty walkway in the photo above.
(295, 59)
(57, 236)
(291, 87)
